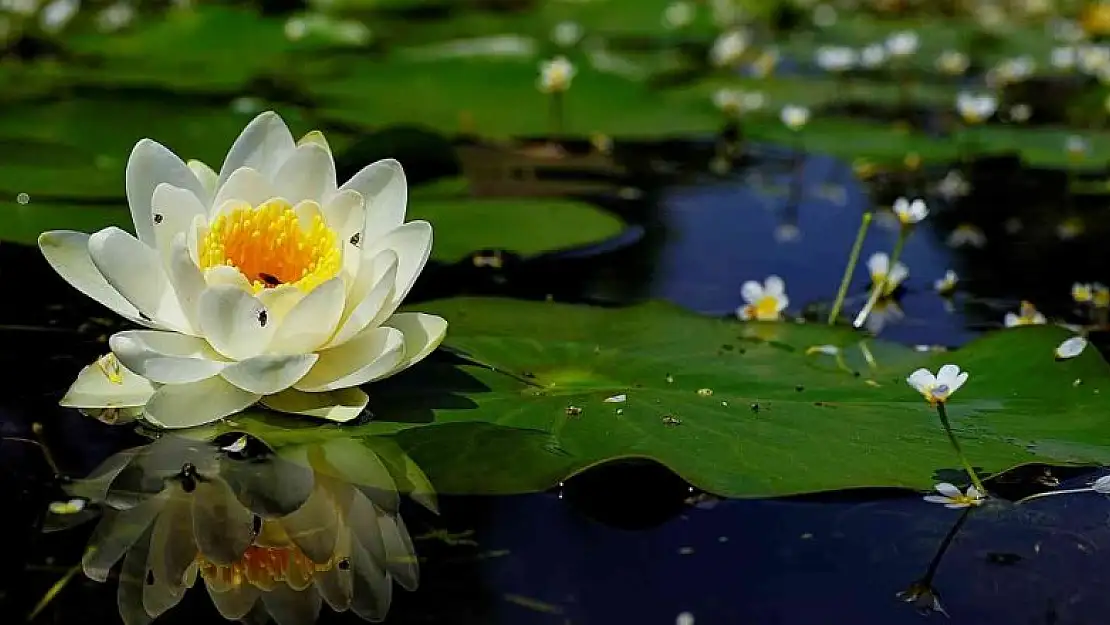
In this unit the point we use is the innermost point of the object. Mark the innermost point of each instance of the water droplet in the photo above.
(23, 198)
(799, 388)
(670, 379)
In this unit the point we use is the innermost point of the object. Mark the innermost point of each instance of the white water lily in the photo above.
(879, 267)
(267, 281)
(1027, 315)
(947, 284)
(885, 312)
(976, 109)
(937, 388)
(951, 496)
(765, 302)
(910, 213)
(1070, 348)
(556, 75)
(794, 117)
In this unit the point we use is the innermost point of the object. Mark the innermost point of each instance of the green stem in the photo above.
(943, 414)
(878, 289)
(943, 547)
(853, 259)
(1052, 493)
(557, 114)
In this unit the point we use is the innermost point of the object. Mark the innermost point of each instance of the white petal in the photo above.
(897, 275)
(308, 174)
(367, 357)
(149, 165)
(343, 213)
(68, 253)
(1039, 318)
(339, 405)
(263, 146)
(921, 380)
(947, 375)
(385, 190)
(186, 279)
(1071, 347)
(751, 291)
(264, 375)
(93, 389)
(207, 177)
(948, 490)
(413, 243)
(878, 264)
(235, 323)
(226, 275)
(199, 403)
(958, 382)
(174, 210)
(135, 270)
(774, 286)
(312, 321)
(744, 313)
(315, 136)
(974, 492)
(166, 357)
(901, 206)
(1012, 320)
(243, 186)
(422, 333)
(783, 302)
(956, 506)
(279, 301)
(937, 499)
(373, 287)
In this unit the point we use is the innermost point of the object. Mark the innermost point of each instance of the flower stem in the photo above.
(853, 258)
(944, 544)
(1051, 493)
(556, 114)
(943, 414)
(878, 289)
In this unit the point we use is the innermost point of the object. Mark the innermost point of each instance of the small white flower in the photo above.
(836, 58)
(1071, 348)
(239, 445)
(765, 302)
(729, 101)
(678, 15)
(728, 48)
(953, 62)
(566, 34)
(873, 56)
(57, 14)
(952, 497)
(947, 284)
(937, 389)
(902, 43)
(1082, 293)
(1076, 145)
(879, 267)
(975, 109)
(1027, 315)
(1102, 485)
(1063, 57)
(910, 213)
(953, 185)
(1020, 113)
(556, 75)
(115, 17)
(966, 235)
(794, 117)
(1092, 59)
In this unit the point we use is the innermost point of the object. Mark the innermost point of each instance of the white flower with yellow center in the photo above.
(976, 109)
(879, 267)
(836, 58)
(937, 388)
(556, 75)
(1027, 315)
(765, 302)
(910, 213)
(267, 281)
(953, 62)
(794, 117)
(729, 48)
(952, 497)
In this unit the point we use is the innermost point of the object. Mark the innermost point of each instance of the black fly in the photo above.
(270, 280)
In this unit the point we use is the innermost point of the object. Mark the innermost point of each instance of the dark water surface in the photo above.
(628, 545)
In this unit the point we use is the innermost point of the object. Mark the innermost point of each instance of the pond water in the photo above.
(629, 541)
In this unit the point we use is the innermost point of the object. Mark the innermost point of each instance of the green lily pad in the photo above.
(24, 222)
(739, 409)
(523, 226)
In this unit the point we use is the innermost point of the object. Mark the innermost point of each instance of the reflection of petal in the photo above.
(372, 590)
(336, 585)
(399, 552)
(269, 489)
(233, 601)
(314, 527)
(222, 527)
(129, 596)
(292, 607)
(116, 533)
(172, 552)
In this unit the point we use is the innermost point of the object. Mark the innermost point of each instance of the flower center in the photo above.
(767, 306)
(110, 367)
(271, 246)
(264, 568)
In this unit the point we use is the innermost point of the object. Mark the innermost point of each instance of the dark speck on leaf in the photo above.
(727, 347)
(1003, 559)
(528, 374)
(855, 374)
(819, 404)
(755, 407)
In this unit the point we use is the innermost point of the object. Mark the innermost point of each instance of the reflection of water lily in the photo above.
(884, 313)
(266, 280)
(953, 185)
(937, 388)
(951, 496)
(879, 267)
(765, 302)
(966, 235)
(1027, 315)
(947, 284)
(267, 535)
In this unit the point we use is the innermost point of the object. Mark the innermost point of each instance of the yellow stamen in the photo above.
(110, 367)
(767, 308)
(266, 565)
(270, 247)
